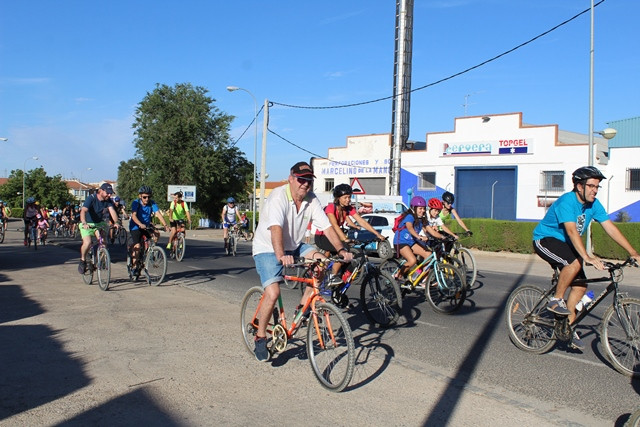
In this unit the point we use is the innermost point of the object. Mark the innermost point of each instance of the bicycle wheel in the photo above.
(34, 238)
(155, 265)
(445, 288)
(381, 299)
(87, 277)
(233, 245)
(122, 236)
(1, 233)
(390, 266)
(634, 420)
(468, 262)
(330, 347)
(621, 336)
(103, 268)
(180, 245)
(530, 324)
(248, 311)
(249, 235)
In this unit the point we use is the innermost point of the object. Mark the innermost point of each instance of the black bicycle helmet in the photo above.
(145, 189)
(448, 197)
(341, 190)
(586, 172)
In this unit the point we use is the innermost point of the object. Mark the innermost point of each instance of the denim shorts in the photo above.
(270, 269)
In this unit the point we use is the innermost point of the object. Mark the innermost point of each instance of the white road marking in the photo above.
(577, 359)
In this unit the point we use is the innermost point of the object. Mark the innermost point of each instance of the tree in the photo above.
(181, 138)
(49, 191)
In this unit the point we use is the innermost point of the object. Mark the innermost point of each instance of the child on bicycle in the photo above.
(449, 211)
(436, 228)
(43, 227)
(407, 239)
(178, 212)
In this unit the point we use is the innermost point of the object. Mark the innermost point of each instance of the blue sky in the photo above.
(72, 72)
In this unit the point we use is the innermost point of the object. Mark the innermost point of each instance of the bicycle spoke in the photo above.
(621, 336)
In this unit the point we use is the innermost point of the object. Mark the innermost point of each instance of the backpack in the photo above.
(398, 221)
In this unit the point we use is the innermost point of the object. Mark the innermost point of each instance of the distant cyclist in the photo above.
(121, 214)
(4, 215)
(407, 239)
(557, 239)
(178, 212)
(230, 216)
(29, 216)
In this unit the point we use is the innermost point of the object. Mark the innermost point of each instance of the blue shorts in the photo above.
(270, 269)
(228, 224)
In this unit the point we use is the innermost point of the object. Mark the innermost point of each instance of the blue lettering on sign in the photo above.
(466, 148)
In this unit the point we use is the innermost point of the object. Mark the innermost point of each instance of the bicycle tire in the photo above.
(445, 288)
(468, 261)
(122, 236)
(390, 266)
(103, 268)
(633, 420)
(233, 245)
(249, 310)
(87, 277)
(1, 233)
(381, 299)
(529, 330)
(620, 337)
(155, 265)
(249, 235)
(34, 238)
(330, 347)
(180, 246)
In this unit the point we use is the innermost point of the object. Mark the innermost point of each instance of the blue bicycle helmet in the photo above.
(231, 200)
(30, 200)
(116, 199)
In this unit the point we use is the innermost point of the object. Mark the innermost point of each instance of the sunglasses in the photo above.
(302, 180)
(144, 197)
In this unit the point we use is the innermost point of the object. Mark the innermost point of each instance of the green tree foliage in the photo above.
(49, 191)
(131, 176)
(183, 139)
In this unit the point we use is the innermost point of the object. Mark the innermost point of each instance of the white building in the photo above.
(496, 166)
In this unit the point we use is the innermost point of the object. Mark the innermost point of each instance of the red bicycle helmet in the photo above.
(435, 204)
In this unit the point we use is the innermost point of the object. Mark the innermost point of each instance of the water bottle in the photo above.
(585, 301)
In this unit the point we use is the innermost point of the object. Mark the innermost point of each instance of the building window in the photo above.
(328, 184)
(633, 179)
(552, 181)
(427, 181)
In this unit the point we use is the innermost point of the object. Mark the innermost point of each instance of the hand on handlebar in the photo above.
(596, 262)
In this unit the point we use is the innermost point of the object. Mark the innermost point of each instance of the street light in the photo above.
(23, 173)
(4, 139)
(255, 147)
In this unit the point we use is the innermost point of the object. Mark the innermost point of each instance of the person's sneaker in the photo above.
(261, 352)
(576, 342)
(25, 242)
(82, 267)
(335, 280)
(168, 245)
(558, 307)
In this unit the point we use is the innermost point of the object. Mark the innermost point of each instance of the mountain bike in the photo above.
(534, 329)
(152, 260)
(2, 230)
(232, 240)
(32, 234)
(438, 276)
(118, 235)
(179, 244)
(99, 262)
(467, 262)
(330, 345)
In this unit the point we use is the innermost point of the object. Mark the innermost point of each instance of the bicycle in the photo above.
(380, 295)
(99, 262)
(534, 329)
(1, 230)
(152, 260)
(232, 241)
(32, 234)
(438, 276)
(119, 234)
(246, 234)
(330, 345)
(179, 244)
(467, 261)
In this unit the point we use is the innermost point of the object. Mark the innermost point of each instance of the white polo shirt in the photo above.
(280, 209)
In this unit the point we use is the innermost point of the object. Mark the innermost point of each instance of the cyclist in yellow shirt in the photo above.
(177, 213)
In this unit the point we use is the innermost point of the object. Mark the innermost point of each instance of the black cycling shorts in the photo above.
(557, 253)
(136, 235)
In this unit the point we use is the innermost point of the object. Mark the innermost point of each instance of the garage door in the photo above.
(474, 192)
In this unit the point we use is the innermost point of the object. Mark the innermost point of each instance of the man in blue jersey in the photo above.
(142, 212)
(557, 239)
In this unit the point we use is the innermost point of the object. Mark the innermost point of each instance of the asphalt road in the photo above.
(467, 352)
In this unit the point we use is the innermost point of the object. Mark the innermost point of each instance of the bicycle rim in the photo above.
(330, 347)
(234, 245)
(468, 262)
(621, 336)
(1, 234)
(87, 277)
(248, 312)
(122, 237)
(103, 268)
(390, 266)
(381, 299)
(155, 265)
(445, 288)
(180, 247)
(530, 324)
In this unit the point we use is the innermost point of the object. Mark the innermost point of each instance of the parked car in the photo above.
(383, 224)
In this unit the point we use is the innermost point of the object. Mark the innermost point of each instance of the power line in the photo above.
(445, 78)
(233, 143)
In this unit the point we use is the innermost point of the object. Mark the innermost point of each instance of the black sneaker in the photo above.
(335, 280)
(576, 342)
(558, 306)
(261, 352)
(82, 267)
